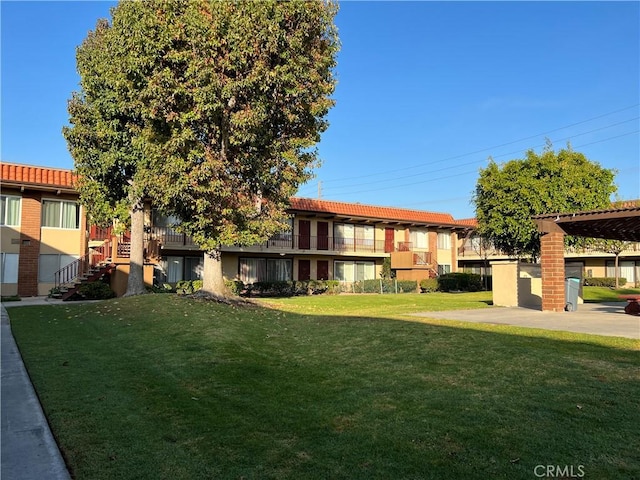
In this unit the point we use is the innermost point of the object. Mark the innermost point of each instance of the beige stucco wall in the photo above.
(10, 239)
(505, 282)
(59, 240)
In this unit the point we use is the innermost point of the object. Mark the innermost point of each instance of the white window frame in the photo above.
(5, 210)
(9, 263)
(61, 216)
(444, 240)
(419, 239)
(62, 261)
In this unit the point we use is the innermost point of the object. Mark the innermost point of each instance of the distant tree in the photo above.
(508, 195)
(102, 142)
(615, 247)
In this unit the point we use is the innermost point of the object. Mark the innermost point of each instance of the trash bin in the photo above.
(571, 293)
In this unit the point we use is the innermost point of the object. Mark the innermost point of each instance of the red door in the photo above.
(323, 269)
(305, 235)
(389, 237)
(304, 270)
(323, 236)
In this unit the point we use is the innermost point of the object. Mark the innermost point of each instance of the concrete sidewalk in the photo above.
(606, 319)
(29, 451)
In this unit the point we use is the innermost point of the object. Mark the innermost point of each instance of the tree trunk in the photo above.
(617, 271)
(213, 280)
(135, 283)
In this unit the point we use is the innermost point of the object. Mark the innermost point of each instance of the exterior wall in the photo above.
(505, 283)
(29, 244)
(120, 276)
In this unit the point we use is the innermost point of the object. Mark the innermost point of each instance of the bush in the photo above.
(429, 285)
(164, 288)
(95, 291)
(383, 286)
(235, 286)
(187, 287)
(603, 281)
(466, 282)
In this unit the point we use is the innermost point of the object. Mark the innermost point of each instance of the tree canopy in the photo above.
(508, 195)
(210, 109)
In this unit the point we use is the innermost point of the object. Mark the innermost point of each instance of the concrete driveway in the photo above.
(606, 319)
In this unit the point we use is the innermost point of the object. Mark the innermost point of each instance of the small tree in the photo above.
(615, 247)
(508, 195)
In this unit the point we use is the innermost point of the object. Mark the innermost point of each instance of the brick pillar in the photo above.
(454, 252)
(432, 242)
(29, 244)
(552, 261)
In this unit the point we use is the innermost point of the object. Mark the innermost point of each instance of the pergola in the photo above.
(614, 224)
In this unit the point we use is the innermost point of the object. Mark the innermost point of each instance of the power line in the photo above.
(473, 171)
(431, 171)
(344, 179)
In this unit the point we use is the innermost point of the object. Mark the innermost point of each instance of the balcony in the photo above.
(407, 259)
(318, 244)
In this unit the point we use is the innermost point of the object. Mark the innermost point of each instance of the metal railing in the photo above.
(75, 270)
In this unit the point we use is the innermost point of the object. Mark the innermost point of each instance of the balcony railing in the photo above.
(324, 243)
(168, 237)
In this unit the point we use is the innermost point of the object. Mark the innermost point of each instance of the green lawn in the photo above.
(162, 387)
(606, 294)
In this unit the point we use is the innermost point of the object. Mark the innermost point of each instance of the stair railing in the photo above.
(71, 272)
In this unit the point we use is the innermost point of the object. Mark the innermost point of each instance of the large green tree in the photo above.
(220, 104)
(508, 195)
(102, 140)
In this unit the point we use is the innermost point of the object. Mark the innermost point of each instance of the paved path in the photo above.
(606, 319)
(29, 451)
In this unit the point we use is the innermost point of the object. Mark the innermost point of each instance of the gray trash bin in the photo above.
(571, 293)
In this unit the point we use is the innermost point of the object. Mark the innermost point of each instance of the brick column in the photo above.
(552, 261)
(29, 244)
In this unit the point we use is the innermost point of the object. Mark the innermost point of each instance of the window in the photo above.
(444, 240)
(9, 211)
(347, 236)
(60, 214)
(193, 268)
(9, 268)
(343, 233)
(418, 239)
(442, 269)
(353, 271)
(265, 270)
(174, 269)
(49, 264)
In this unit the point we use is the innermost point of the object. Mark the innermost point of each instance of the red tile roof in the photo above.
(372, 211)
(40, 176)
(469, 222)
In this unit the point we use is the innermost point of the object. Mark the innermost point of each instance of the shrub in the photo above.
(468, 282)
(164, 288)
(187, 287)
(603, 281)
(429, 285)
(333, 287)
(95, 291)
(235, 286)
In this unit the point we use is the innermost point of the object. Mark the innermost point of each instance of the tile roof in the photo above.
(37, 176)
(372, 211)
(469, 222)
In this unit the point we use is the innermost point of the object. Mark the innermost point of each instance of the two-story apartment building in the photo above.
(42, 227)
(44, 230)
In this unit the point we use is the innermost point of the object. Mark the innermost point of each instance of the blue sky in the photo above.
(427, 91)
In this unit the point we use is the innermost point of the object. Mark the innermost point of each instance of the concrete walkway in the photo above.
(606, 319)
(29, 451)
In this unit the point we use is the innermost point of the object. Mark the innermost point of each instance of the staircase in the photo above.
(95, 273)
(90, 268)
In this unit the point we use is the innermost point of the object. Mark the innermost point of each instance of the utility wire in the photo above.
(458, 165)
(344, 179)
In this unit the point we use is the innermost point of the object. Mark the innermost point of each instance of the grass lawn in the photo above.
(162, 387)
(606, 294)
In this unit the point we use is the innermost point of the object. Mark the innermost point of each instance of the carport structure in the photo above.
(613, 224)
